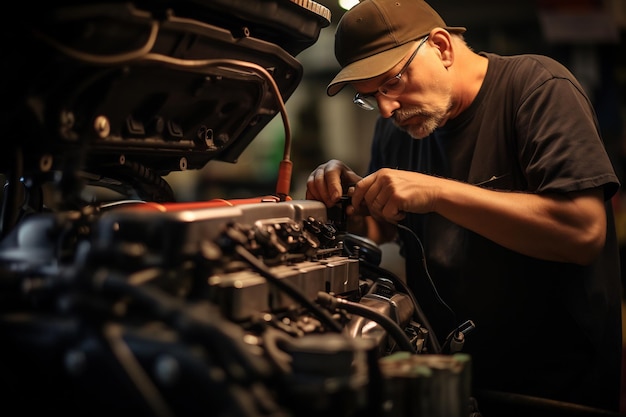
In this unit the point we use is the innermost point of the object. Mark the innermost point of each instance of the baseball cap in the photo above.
(374, 35)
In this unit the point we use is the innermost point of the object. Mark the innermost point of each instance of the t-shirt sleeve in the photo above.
(560, 146)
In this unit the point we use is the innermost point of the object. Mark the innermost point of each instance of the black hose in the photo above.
(292, 292)
(419, 314)
(221, 336)
(362, 310)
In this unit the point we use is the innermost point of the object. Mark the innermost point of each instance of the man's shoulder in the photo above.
(529, 64)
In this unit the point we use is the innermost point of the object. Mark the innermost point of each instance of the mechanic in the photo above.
(491, 173)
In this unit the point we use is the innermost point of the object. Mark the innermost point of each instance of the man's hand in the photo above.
(329, 181)
(388, 194)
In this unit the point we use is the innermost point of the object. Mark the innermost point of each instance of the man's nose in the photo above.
(386, 106)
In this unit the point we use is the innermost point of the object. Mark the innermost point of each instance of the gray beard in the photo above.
(425, 128)
(430, 121)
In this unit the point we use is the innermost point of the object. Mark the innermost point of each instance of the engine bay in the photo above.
(137, 303)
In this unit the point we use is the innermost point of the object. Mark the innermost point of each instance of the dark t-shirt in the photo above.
(545, 329)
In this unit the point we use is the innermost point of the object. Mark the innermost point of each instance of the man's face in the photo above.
(426, 99)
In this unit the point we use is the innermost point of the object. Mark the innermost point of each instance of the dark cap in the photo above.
(375, 35)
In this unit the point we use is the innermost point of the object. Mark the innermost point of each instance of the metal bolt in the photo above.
(45, 163)
(102, 126)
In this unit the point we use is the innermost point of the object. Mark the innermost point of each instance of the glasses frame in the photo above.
(364, 100)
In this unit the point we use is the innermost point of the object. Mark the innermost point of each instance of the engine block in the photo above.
(244, 309)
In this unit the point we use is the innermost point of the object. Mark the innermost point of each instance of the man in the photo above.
(492, 173)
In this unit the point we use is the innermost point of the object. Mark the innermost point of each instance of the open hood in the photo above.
(123, 93)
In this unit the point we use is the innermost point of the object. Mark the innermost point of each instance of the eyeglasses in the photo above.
(391, 88)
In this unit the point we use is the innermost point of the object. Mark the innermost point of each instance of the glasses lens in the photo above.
(392, 88)
(364, 102)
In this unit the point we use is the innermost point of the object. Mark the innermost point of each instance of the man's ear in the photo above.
(442, 41)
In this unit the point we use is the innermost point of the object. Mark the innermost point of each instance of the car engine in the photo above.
(124, 300)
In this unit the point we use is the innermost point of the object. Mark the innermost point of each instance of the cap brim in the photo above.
(375, 65)
(370, 67)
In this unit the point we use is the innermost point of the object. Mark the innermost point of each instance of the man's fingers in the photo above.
(324, 185)
(360, 188)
